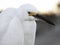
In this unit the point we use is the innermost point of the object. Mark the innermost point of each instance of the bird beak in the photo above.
(39, 16)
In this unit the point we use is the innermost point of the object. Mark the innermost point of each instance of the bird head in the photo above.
(29, 12)
(23, 12)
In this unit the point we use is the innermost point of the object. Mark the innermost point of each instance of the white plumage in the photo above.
(14, 34)
(5, 17)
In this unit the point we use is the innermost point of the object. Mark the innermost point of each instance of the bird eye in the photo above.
(31, 13)
(28, 12)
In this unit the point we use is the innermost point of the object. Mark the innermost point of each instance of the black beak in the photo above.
(43, 18)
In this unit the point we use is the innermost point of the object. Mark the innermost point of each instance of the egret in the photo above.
(22, 28)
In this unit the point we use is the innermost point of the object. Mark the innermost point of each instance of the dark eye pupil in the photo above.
(28, 12)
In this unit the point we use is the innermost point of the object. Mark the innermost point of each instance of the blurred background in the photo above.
(43, 6)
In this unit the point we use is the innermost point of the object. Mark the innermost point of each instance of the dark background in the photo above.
(47, 34)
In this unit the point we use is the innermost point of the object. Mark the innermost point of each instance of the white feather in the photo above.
(5, 18)
(15, 34)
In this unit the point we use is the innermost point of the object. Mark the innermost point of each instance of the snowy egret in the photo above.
(22, 28)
